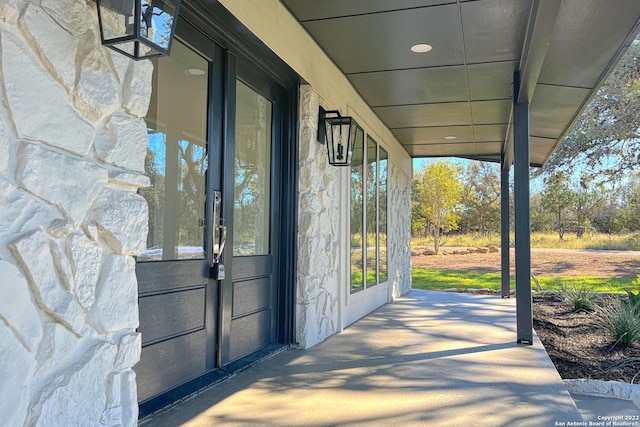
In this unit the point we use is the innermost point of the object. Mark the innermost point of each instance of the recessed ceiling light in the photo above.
(195, 72)
(450, 137)
(421, 48)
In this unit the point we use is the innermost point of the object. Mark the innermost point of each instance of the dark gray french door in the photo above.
(249, 294)
(208, 281)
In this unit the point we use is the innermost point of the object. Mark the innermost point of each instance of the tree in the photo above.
(481, 198)
(629, 213)
(439, 191)
(557, 197)
(606, 135)
(541, 219)
(587, 200)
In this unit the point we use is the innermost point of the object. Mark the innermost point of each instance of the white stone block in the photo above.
(620, 390)
(37, 255)
(122, 218)
(112, 416)
(77, 17)
(125, 144)
(76, 396)
(72, 191)
(60, 228)
(121, 64)
(21, 212)
(57, 344)
(86, 256)
(17, 307)
(137, 88)
(129, 348)
(129, 399)
(135, 180)
(10, 11)
(16, 369)
(4, 143)
(114, 390)
(51, 118)
(97, 94)
(116, 306)
(57, 45)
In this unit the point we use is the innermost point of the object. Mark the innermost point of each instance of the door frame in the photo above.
(232, 42)
(223, 28)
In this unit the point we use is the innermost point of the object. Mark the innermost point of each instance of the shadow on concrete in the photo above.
(430, 358)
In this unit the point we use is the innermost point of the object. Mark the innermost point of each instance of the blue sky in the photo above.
(536, 184)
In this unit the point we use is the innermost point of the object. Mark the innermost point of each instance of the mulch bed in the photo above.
(578, 349)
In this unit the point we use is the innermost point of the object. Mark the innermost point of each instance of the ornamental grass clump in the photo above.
(580, 296)
(620, 320)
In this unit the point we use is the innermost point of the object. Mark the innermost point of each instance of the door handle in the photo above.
(218, 237)
(218, 247)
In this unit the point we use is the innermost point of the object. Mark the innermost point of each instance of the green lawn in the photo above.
(437, 279)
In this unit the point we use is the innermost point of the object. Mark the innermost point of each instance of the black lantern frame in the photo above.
(138, 29)
(338, 133)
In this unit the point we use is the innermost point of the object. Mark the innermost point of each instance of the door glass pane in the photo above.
(176, 159)
(251, 220)
(357, 215)
(372, 201)
(382, 214)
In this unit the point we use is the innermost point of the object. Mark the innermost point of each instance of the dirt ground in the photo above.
(544, 262)
(579, 350)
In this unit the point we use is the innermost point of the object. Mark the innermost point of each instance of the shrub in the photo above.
(579, 295)
(634, 299)
(620, 320)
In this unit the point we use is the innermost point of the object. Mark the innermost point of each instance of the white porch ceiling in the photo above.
(563, 49)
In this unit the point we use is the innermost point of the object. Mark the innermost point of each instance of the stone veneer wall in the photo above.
(319, 214)
(72, 148)
(320, 211)
(399, 238)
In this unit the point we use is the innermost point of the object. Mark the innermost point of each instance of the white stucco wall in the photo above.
(72, 147)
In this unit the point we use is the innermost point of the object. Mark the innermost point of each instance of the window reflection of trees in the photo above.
(192, 161)
(357, 214)
(369, 172)
(190, 172)
(382, 215)
(252, 180)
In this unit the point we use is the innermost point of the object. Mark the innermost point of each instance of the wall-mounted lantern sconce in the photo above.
(138, 29)
(339, 134)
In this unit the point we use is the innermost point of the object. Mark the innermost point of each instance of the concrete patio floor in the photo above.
(429, 358)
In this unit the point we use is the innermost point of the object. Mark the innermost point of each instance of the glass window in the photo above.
(382, 215)
(368, 214)
(372, 208)
(252, 196)
(357, 214)
(176, 161)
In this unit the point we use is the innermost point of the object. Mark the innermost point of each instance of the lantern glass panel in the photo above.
(116, 18)
(340, 133)
(157, 22)
(138, 28)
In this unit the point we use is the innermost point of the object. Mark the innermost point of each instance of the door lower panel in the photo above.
(171, 314)
(168, 364)
(250, 333)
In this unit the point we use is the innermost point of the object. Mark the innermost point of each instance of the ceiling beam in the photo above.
(536, 43)
(542, 20)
